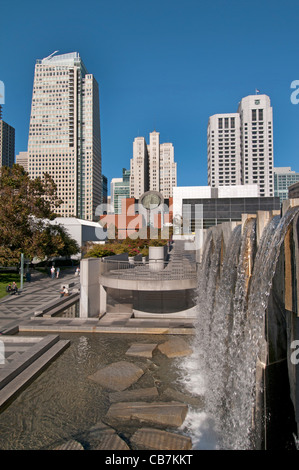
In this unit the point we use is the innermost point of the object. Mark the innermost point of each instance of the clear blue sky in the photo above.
(160, 64)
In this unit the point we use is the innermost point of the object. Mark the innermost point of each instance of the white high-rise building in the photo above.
(224, 150)
(139, 168)
(64, 134)
(152, 167)
(243, 155)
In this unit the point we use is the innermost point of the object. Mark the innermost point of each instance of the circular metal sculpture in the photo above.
(151, 200)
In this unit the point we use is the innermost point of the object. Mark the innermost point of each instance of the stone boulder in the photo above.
(111, 442)
(175, 347)
(70, 445)
(133, 395)
(117, 376)
(155, 439)
(142, 350)
(168, 414)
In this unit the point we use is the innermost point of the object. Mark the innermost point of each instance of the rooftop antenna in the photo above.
(49, 56)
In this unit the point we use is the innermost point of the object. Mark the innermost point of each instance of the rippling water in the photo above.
(63, 403)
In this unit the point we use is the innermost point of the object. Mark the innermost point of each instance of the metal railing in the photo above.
(176, 269)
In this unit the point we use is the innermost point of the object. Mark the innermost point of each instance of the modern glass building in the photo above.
(7, 143)
(64, 134)
(121, 191)
(284, 177)
(216, 211)
(214, 206)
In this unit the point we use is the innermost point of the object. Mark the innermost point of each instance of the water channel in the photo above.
(62, 403)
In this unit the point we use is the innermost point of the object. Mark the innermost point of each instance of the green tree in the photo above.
(25, 214)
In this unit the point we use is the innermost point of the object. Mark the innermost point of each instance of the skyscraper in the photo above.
(121, 190)
(22, 159)
(152, 167)
(224, 150)
(240, 146)
(64, 134)
(139, 168)
(7, 143)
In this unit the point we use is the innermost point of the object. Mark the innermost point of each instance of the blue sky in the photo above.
(166, 65)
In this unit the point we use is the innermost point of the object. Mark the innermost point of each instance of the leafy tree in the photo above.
(25, 214)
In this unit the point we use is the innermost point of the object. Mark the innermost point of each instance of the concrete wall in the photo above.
(90, 294)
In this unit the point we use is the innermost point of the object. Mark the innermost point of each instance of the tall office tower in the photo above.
(7, 143)
(139, 169)
(283, 178)
(22, 160)
(154, 161)
(64, 134)
(256, 119)
(112, 188)
(224, 150)
(244, 154)
(162, 167)
(152, 167)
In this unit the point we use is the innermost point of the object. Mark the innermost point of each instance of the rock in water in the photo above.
(142, 350)
(70, 445)
(117, 376)
(175, 347)
(168, 414)
(155, 439)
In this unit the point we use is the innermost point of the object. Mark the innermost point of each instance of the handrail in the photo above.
(154, 269)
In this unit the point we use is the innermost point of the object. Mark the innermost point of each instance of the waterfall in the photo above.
(233, 293)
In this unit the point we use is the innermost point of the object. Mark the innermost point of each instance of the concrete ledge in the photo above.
(58, 302)
(109, 329)
(13, 369)
(148, 284)
(17, 383)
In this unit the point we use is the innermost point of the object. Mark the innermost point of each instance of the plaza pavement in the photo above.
(40, 291)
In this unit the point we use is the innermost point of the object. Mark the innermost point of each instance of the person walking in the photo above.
(57, 272)
(52, 272)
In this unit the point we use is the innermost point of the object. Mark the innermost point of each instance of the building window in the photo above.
(261, 114)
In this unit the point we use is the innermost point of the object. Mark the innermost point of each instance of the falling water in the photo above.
(229, 342)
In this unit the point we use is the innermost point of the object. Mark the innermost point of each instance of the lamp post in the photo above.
(22, 269)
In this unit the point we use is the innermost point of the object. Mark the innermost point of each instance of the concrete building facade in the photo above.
(22, 160)
(224, 150)
(204, 206)
(240, 146)
(284, 177)
(64, 134)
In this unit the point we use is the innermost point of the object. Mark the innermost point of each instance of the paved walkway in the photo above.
(40, 291)
(18, 311)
